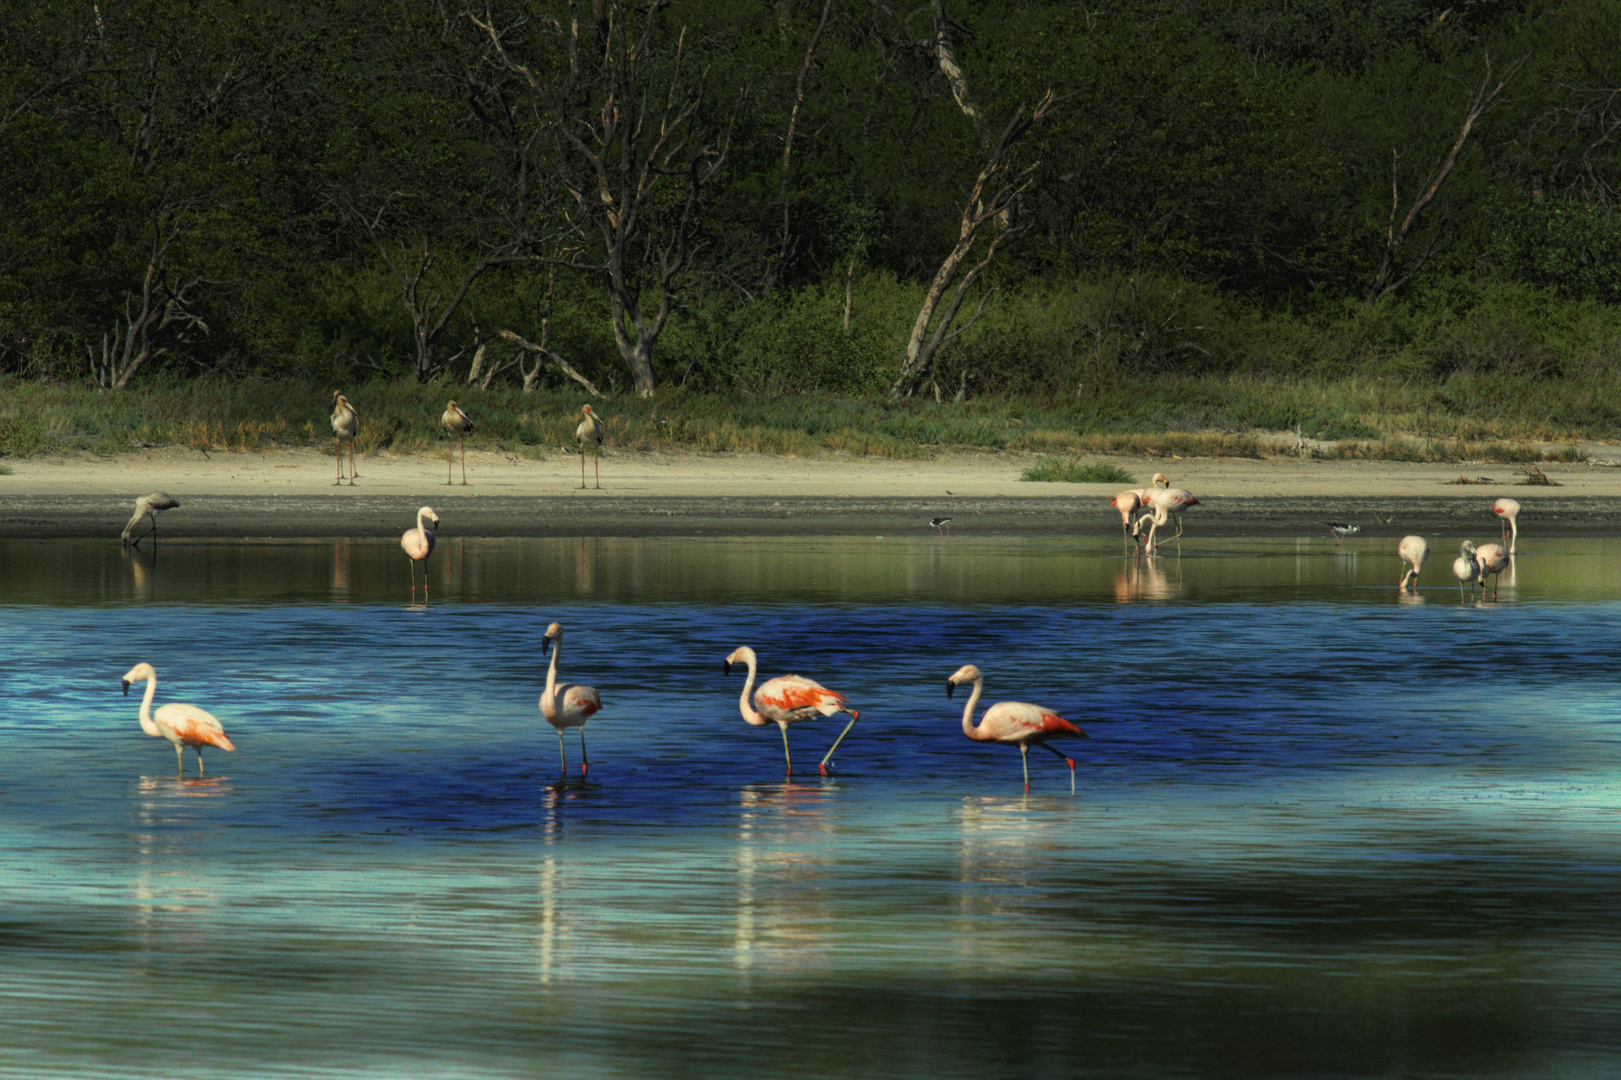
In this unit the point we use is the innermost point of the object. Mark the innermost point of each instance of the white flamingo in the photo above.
(1013, 722)
(788, 699)
(147, 506)
(1127, 503)
(1413, 551)
(418, 545)
(1509, 511)
(568, 705)
(1465, 568)
(345, 425)
(1490, 559)
(182, 725)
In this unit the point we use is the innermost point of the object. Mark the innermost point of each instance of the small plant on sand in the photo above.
(1055, 470)
(5, 470)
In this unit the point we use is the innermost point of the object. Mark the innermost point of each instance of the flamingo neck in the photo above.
(968, 727)
(419, 523)
(1513, 534)
(551, 672)
(750, 717)
(146, 708)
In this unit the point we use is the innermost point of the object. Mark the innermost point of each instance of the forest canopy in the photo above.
(765, 195)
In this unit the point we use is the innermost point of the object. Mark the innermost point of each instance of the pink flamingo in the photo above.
(1490, 559)
(1127, 503)
(418, 545)
(569, 705)
(788, 699)
(1170, 500)
(1465, 568)
(1413, 551)
(182, 725)
(1509, 511)
(1012, 722)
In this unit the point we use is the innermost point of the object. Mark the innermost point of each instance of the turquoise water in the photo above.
(1318, 830)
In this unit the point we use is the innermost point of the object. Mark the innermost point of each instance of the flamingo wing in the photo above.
(1017, 722)
(192, 725)
(793, 697)
(583, 700)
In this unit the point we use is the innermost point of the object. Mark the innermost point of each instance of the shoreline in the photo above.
(284, 494)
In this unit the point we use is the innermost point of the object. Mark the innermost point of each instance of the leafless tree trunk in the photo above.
(563, 365)
(623, 140)
(988, 209)
(1396, 235)
(788, 145)
(141, 334)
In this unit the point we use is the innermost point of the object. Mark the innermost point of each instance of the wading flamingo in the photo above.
(788, 699)
(1012, 722)
(345, 424)
(418, 545)
(568, 705)
(1465, 568)
(183, 725)
(147, 506)
(1490, 559)
(1171, 500)
(1127, 503)
(590, 431)
(459, 426)
(1413, 551)
(1509, 511)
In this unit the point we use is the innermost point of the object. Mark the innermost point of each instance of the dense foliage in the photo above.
(1211, 195)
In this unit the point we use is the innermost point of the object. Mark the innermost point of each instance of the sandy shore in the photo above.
(290, 493)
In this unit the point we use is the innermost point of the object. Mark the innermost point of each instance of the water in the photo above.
(1318, 830)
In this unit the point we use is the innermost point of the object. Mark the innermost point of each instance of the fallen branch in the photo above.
(567, 368)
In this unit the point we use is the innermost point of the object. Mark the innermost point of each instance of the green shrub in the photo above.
(1055, 470)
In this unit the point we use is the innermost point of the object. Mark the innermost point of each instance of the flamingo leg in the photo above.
(786, 759)
(199, 761)
(585, 762)
(854, 716)
(1024, 759)
(561, 753)
(179, 759)
(1067, 761)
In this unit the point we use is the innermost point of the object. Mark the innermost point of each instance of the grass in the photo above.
(1464, 418)
(6, 470)
(1073, 472)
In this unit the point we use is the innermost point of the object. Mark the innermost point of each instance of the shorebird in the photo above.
(345, 423)
(182, 725)
(1490, 559)
(1413, 551)
(788, 699)
(568, 705)
(940, 525)
(418, 545)
(1509, 511)
(1013, 722)
(590, 431)
(1465, 568)
(1342, 530)
(147, 506)
(459, 426)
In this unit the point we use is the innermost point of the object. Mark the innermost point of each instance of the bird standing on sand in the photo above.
(941, 525)
(1509, 511)
(787, 699)
(590, 431)
(418, 545)
(459, 426)
(1413, 551)
(1342, 530)
(345, 424)
(569, 705)
(147, 506)
(1012, 722)
(182, 725)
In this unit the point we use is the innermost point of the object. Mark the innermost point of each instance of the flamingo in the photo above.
(788, 699)
(1509, 511)
(1491, 559)
(147, 506)
(345, 423)
(569, 705)
(418, 545)
(1172, 500)
(1127, 503)
(591, 431)
(459, 426)
(1465, 568)
(1012, 722)
(1413, 551)
(183, 725)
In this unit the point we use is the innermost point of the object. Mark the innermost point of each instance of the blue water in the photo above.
(1332, 835)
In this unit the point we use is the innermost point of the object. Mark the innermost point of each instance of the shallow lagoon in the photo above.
(1319, 830)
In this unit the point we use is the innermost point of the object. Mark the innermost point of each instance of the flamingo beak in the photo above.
(545, 645)
(726, 667)
(126, 686)
(951, 688)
